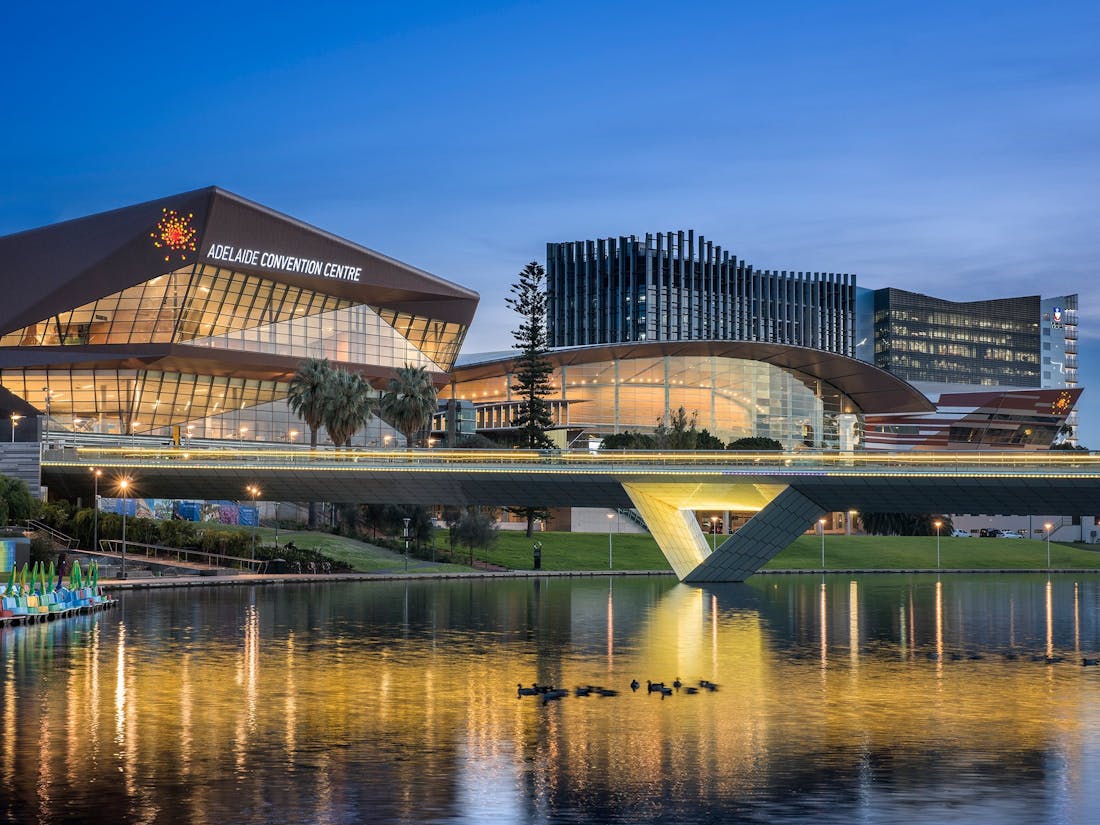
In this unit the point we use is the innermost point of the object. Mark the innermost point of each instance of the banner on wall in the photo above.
(163, 509)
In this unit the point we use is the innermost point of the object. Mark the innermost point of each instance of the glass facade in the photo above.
(990, 343)
(202, 305)
(206, 306)
(733, 398)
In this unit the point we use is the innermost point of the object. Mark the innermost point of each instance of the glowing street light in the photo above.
(821, 524)
(124, 488)
(293, 434)
(14, 420)
(1047, 527)
(254, 491)
(938, 525)
(713, 528)
(96, 473)
(610, 548)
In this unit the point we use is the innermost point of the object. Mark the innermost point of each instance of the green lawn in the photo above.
(568, 551)
(589, 551)
(919, 552)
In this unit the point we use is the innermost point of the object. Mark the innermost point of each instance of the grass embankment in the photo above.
(588, 551)
(361, 556)
(567, 551)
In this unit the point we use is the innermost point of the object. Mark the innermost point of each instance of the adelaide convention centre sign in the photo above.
(225, 253)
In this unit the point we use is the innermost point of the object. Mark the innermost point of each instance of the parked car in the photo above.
(960, 534)
(1009, 534)
(989, 533)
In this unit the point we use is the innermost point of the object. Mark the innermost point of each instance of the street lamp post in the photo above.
(938, 525)
(713, 528)
(46, 434)
(124, 486)
(821, 522)
(14, 420)
(254, 491)
(610, 547)
(1047, 527)
(96, 473)
(407, 521)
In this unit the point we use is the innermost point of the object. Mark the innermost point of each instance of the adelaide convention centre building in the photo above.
(188, 315)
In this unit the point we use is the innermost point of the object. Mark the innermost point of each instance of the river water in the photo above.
(857, 699)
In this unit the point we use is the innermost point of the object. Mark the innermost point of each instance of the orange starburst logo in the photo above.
(174, 234)
(1061, 404)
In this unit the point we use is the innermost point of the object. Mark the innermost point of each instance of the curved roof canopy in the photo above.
(874, 390)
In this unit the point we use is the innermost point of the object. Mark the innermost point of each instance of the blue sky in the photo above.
(949, 148)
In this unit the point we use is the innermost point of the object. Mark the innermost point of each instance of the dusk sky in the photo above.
(946, 148)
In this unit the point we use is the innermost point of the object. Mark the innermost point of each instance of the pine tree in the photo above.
(532, 369)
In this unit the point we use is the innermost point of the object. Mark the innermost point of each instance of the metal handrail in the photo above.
(154, 551)
(56, 535)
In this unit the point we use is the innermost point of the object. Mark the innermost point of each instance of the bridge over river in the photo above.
(787, 492)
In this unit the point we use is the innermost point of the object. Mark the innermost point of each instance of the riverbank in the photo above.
(255, 580)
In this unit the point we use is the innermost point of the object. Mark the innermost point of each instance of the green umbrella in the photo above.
(11, 582)
(74, 576)
(95, 573)
(48, 582)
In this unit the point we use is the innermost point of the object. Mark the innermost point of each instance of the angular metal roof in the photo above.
(55, 268)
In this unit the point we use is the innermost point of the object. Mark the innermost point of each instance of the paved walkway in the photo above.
(150, 582)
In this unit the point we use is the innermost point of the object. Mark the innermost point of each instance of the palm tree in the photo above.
(308, 394)
(307, 398)
(348, 406)
(408, 403)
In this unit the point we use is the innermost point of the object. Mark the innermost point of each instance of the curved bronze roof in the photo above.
(874, 390)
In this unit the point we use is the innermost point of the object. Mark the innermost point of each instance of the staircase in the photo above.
(634, 516)
(56, 537)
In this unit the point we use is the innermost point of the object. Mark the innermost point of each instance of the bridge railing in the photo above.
(807, 460)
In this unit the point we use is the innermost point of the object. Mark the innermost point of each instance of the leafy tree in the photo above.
(476, 529)
(628, 440)
(308, 399)
(16, 495)
(676, 431)
(754, 444)
(905, 524)
(532, 370)
(348, 404)
(706, 441)
(409, 401)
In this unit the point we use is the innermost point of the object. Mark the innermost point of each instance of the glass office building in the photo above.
(990, 343)
(189, 314)
(679, 287)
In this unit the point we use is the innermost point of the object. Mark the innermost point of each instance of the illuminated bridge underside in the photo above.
(787, 497)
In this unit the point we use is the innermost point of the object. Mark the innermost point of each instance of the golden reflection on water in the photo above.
(306, 709)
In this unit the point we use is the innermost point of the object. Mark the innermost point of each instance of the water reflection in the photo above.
(881, 698)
